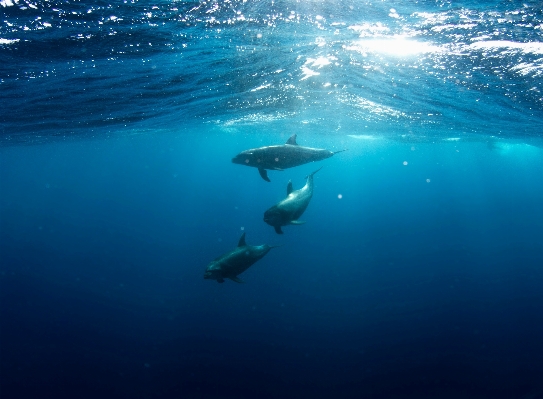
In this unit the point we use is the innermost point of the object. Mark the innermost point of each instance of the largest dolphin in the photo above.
(236, 261)
(279, 157)
(288, 211)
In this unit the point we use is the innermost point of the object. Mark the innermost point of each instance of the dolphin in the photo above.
(236, 261)
(279, 157)
(291, 208)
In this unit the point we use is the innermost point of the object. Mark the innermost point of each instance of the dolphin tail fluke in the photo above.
(237, 280)
(278, 230)
(264, 174)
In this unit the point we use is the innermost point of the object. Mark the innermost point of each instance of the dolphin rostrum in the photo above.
(291, 208)
(236, 261)
(279, 157)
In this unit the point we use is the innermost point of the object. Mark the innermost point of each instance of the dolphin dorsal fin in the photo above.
(292, 140)
(289, 187)
(241, 242)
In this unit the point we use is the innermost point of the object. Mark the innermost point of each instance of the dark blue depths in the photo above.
(403, 287)
(418, 273)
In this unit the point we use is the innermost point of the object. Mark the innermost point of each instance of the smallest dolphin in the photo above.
(236, 261)
(288, 211)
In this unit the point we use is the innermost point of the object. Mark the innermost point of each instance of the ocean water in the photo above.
(418, 272)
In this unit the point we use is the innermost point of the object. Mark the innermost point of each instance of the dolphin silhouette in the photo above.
(279, 157)
(288, 211)
(236, 261)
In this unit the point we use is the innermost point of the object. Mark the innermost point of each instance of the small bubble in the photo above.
(427, 180)
(404, 163)
(340, 196)
(259, 35)
(242, 228)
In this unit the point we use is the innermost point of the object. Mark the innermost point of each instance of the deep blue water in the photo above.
(418, 273)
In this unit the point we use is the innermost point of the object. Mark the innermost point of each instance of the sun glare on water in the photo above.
(396, 45)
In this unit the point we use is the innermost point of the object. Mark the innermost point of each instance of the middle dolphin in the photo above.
(279, 157)
(291, 208)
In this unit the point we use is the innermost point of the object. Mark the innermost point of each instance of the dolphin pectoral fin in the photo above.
(336, 152)
(297, 222)
(264, 174)
(220, 280)
(237, 280)
(292, 140)
(289, 187)
(278, 230)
